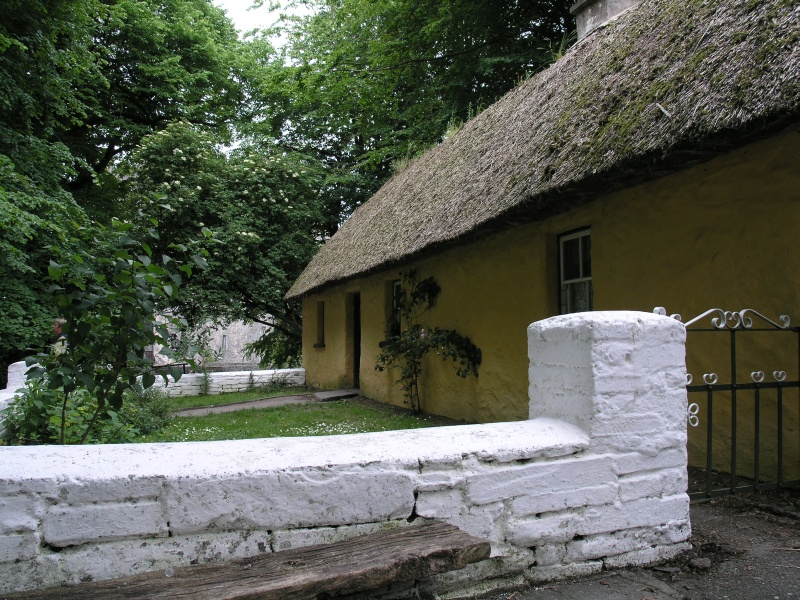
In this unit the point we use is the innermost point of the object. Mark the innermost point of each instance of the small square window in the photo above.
(575, 271)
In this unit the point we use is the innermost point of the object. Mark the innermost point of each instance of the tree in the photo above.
(317, 126)
(409, 339)
(35, 219)
(262, 206)
(81, 83)
(367, 84)
(109, 297)
(159, 62)
(44, 61)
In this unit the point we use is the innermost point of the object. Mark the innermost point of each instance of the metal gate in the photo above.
(746, 413)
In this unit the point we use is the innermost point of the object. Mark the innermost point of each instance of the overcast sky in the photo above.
(244, 19)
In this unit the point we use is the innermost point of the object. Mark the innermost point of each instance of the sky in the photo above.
(244, 19)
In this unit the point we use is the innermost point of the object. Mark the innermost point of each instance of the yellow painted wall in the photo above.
(721, 234)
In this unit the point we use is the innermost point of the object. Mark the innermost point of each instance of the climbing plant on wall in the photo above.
(409, 340)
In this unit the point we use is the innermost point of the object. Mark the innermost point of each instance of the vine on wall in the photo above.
(408, 341)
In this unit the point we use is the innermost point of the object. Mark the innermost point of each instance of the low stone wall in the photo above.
(194, 384)
(16, 380)
(191, 384)
(596, 478)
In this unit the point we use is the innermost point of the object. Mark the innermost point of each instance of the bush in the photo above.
(147, 410)
(109, 291)
(408, 341)
(40, 415)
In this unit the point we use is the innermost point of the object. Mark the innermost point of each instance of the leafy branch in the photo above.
(409, 340)
(113, 294)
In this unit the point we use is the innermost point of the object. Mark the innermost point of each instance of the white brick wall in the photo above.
(596, 477)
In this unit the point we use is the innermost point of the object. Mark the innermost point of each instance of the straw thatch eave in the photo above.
(668, 84)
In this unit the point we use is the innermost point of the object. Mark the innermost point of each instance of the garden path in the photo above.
(326, 396)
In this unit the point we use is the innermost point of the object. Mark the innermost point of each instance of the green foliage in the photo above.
(263, 209)
(194, 339)
(146, 410)
(109, 299)
(44, 61)
(43, 415)
(81, 83)
(363, 84)
(112, 107)
(276, 350)
(158, 62)
(408, 346)
(32, 218)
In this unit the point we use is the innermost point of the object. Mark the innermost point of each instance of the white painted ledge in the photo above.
(499, 442)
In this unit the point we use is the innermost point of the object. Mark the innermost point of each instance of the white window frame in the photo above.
(566, 305)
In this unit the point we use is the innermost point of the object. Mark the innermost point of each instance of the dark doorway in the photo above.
(356, 299)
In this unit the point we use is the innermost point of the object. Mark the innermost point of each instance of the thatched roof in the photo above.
(669, 83)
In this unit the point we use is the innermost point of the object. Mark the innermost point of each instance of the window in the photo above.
(396, 294)
(575, 271)
(320, 325)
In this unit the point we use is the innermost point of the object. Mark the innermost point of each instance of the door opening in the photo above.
(355, 339)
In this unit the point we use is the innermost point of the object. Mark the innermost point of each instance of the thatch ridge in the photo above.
(669, 83)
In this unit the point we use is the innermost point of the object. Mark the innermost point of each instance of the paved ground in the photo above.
(266, 403)
(741, 552)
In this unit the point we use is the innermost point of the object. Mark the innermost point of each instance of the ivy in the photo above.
(406, 346)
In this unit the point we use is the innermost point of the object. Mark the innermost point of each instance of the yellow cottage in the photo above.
(656, 164)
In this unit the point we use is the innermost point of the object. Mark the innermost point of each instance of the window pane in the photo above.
(586, 255)
(571, 257)
(579, 296)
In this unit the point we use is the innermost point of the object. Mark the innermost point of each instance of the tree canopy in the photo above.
(260, 203)
(141, 109)
(368, 84)
(81, 83)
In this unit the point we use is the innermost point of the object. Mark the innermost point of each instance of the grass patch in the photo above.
(329, 418)
(248, 396)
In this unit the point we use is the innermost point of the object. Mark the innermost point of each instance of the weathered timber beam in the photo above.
(355, 565)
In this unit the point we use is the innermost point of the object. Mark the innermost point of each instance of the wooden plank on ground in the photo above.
(359, 564)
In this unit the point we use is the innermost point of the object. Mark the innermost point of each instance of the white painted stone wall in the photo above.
(16, 380)
(193, 384)
(595, 479)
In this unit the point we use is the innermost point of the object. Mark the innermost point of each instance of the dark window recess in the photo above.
(320, 325)
(397, 296)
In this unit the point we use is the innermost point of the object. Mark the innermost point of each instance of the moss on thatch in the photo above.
(668, 84)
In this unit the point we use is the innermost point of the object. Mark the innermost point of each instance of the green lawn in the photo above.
(329, 418)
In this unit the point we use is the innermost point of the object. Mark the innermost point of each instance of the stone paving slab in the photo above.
(202, 411)
(326, 396)
(329, 396)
